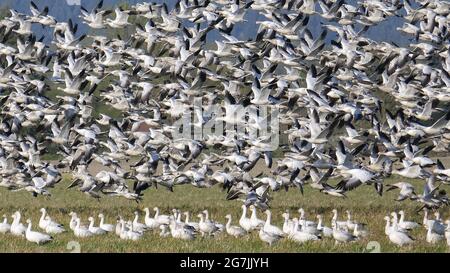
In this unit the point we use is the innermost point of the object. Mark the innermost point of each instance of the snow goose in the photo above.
(132, 234)
(36, 237)
(4, 226)
(190, 223)
(268, 237)
(219, 226)
(302, 219)
(340, 224)
(103, 225)
(269, 228)
(235, 231)
(342, 235)
(436, 225)
(150, 222)
(255, 222)
(399, 238)
(139, 227)
(161, 218)
(288, 225)
(81, 231)
(387, 227)
(206, 227)
(119, 223)
(408, 225)
(52, 227)
(46, 220)
(93, 229)
(433, 237)
(245, 222)
(326, 231)
(301, 236)
(17, 228)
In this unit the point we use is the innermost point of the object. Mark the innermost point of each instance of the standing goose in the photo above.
(139, 227)
(206, 227)
(219, 226)
(326, 231)
(150, 222)
(81, 231)
(269, 228)
(53, 228)
(17, 228)
(4, 226)
(408, 225)
(93, 229)
(399, 238)
(334, 221)
(190, 223)
(301, 236)
(288, 225)
(235, 231)
(162, 219)
(268, 237)
(254, 221)
(103, 225)
(342, 235)
(36, 237)
(433, 237)
(132, 234)
(245, 222)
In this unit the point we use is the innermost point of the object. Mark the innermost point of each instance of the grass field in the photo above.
(366, 206)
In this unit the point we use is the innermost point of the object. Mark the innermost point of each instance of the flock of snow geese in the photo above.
(299, 229)
(332, 97)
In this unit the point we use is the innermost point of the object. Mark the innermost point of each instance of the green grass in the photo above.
(366, 206)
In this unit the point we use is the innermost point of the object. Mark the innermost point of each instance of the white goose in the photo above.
(52, 227)
(302, 219)
(190, 223)
(334, 220)
(81, 231)
(255, 222)
(150, 222)
(139, 227)
(103, 225)
(408, 225)
(36, 237)
(180, 231)
(269, 228)
(4, 226)
(301, 236)
(17, 228)
(245, 222)
(432, 237)
(235, 231)
(132, 234)
(268, 237)
(436, 225)
(342, 235)
(326, 231)
(206, 227)
(288, 225)
(161, 218)
(219, 226)
(399, 238)
(93, 229)
(46, 220)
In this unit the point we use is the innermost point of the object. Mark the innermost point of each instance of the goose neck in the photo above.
(228, 223)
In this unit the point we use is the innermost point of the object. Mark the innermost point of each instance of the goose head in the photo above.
(301, 211)
(319, 217)
(101, 215)
(28, 221)
(228, 216)
(402, 213)
(43, 210)
(91, 219)
(285, 216)
(156, 209)
(437, 215)
(387, 218)
(349, 215)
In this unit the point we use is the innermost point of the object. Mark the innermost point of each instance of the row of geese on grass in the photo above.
(298, 229)
(397, 229)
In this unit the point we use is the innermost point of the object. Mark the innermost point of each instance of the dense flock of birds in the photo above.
(332, 101)
(300, 230)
